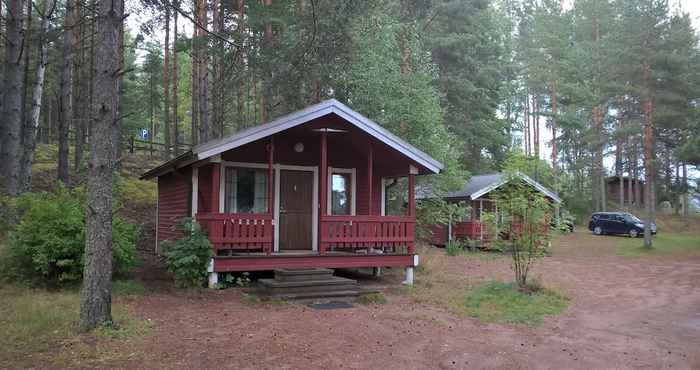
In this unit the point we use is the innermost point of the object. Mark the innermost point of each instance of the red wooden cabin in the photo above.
(476, 193)
(321, 187)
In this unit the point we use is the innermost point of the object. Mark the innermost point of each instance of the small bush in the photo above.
(188, 257)
(231, 280)
(454, 247)
(48, 243)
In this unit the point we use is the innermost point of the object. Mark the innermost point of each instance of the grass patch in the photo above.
(664, 244)
(372, 298)
(503, 302)
(41, 325)
(128, 287)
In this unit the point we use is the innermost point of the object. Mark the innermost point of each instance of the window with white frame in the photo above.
(395, 196)
(245, 190)
(341, 191)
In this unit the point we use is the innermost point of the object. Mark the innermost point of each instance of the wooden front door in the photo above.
(296, 210)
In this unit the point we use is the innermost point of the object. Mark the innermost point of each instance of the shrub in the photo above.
(48, 243)
(188, 257)
(454, 247)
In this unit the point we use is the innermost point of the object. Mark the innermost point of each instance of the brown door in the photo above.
(296, 216)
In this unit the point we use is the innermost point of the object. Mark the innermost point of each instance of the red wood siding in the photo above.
(173, 203)
(204, 190)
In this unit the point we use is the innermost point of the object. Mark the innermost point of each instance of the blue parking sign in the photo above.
(144, 133)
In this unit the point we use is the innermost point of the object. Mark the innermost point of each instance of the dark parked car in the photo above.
(617, 223)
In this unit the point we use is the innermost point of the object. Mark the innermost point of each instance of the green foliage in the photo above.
(506, 302)
(48, 243)
(188, 257)
(372, 299)
(454, 247)
(519, 204)
(137, 192)
(231, 280)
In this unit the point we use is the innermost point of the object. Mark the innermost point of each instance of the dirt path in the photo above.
(625, 314)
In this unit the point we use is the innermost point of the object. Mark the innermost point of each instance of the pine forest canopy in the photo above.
(570, 92)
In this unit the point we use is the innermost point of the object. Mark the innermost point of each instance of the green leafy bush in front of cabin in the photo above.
(454, 247)
(187, 258)
(47, 245)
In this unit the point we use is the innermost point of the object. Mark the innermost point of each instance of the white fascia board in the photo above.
(387, 137)
(263, 131)
(311, 113)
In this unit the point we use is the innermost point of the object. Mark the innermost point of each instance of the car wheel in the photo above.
(598, 230)
(634, 233)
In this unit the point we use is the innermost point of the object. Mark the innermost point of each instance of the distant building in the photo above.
(612, 184)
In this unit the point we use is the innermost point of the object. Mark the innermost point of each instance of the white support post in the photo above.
(377, 272)
(409, 271)
(213, 276)
(409, 276)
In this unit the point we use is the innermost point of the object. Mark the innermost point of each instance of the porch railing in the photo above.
(371, 232)
(238, 231)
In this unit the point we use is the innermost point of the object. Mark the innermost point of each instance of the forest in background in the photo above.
(471, 82)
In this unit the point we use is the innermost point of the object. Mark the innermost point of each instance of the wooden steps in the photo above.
(308, 285)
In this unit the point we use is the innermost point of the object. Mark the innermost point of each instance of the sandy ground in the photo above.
(626, 313)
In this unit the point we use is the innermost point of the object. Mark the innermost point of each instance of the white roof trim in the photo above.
(479, 193)
(212, 148)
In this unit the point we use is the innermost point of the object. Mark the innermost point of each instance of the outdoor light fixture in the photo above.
(299, 147)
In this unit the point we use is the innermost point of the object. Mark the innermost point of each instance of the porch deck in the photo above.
(264, 261)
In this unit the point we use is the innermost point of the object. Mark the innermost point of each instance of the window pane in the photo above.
(340, 194)
(396, 196)
(246, 190)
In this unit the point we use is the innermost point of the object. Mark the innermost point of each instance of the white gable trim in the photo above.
(316, 111)
(479, 193)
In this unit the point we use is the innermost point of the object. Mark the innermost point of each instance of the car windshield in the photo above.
(632, 218)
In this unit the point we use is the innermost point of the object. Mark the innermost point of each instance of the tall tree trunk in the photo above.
(12, 99)
(637, 186)
(96, 292)
(80, 114)
(536, 124)
(684, 191)
(176, 130)
(266, 96)
(32, 124)
(203, 73)
(167, 134)
(218, 80)
(526, 124)
(647, 111)
(66, 97)
(553, 98)
(26, 53)
(242, 79)
(630, 163)
(619, 157)
(194, 115)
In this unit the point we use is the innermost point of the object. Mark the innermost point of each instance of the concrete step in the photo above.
(312, 296)
(272, 286)
(302, 274)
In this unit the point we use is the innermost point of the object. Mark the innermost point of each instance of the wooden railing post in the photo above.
(215, 187)
(270, 191)
(410, 229)
(370, 187)
(323, 184)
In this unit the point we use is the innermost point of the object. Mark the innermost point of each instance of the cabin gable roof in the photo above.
(481, 185)
(324, 108)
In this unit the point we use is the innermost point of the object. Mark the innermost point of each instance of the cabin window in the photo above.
(246, 190)
(395, 196)
(341, 191)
